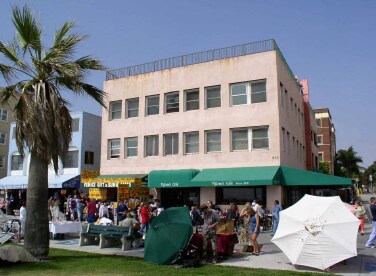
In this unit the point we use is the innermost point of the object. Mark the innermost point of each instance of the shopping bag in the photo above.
(225, 227)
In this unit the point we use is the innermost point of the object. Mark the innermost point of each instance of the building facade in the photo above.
(83, 154)
(237, 107)
(326, 138)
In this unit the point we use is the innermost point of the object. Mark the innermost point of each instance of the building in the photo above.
(222, 125)
(326, 137)
(83, 155)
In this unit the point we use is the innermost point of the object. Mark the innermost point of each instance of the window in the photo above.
(114, 148)
(284, 146)
(239, 195)
(131, 145)
(213, 141)
(71, 159)
(171, 144)
(151, 145)
(152, 105)
(321, 156)
(4, 115)
(172, 102)
(89, 158)
(192, 100)
(2, 138)
(319, 139)
(75, 125)
(282, 94)
(258, 93)
(2, 162)
(115, 110)
(239, 139)
(16, 162)
(14, 132)
(191, 142)
(239, 93)
(213, 97)
(260, 138)
(288, 142)
(132, 108)
(248, 92)
(318, 122)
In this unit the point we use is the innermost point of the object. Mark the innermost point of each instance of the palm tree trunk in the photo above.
(36, 228)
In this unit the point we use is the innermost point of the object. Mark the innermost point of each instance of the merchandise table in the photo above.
(61, 227)
(225, 243)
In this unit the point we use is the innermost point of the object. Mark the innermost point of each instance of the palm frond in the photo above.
(10, 52)
(89, 63)
(28, 29)
(7, 72)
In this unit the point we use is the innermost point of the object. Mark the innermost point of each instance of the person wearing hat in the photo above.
(211, 219)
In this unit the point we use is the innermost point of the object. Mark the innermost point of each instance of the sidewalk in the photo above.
(271, 256)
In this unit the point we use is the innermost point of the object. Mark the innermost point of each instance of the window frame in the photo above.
(2, 113)
(207, 99)
(252, 93)
(249, 92)
(156, 149)
(11, 162)
(175, 136)
(232, 139)
(191, 91)
(207, 133)
(110, 149)
(2, 162)
(89, 157)
(318, 138)
(126, 147)
(169, 94)
(185, 142)
(127, 109)
(246, 84)
(76, 151)
(252, 137)
(147, 106)
(112, 111)
(3, 136)
(322, 156)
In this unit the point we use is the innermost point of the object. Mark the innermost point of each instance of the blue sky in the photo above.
(330, 43)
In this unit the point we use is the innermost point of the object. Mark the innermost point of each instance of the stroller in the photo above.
(11, 229)
(189, 257)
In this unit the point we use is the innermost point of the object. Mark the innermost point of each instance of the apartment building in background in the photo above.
(326, 137)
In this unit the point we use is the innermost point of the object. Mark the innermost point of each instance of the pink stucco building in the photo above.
(237, 107)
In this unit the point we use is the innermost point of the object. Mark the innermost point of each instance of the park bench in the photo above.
(108, 236)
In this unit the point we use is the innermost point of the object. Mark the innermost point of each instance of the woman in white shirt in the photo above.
(23, 218)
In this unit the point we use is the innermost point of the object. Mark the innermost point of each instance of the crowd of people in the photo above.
(247, 223)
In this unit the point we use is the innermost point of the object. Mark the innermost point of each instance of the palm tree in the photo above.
(36, 75)
(348, 160)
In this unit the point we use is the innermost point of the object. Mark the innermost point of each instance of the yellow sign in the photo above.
(85, 174)
(123, 192)
(98, 193)
(139, 192)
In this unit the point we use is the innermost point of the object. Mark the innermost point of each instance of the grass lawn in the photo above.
(65, 262)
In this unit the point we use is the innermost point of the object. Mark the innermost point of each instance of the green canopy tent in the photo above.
(169, 233)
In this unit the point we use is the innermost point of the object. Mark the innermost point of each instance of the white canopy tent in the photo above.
(54, 181)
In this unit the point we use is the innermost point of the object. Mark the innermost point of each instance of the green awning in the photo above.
(296, 177)
(171, 178)
(230, 177)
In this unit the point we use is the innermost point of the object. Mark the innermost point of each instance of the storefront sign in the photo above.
(73, 183)
(230, 183)
(169, 185)
(123, 192)
(96, 193)
(87, 174)
(101, 185)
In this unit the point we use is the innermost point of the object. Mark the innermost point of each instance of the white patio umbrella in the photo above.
(317, 232)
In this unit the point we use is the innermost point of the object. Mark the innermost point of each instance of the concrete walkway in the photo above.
(271, 256)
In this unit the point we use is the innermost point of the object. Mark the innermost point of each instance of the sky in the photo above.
(330, 43)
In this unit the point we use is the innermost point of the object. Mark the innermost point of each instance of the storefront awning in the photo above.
(61, 181)
(114, 180)
(296, 177)
(171, 178)
(238, 177)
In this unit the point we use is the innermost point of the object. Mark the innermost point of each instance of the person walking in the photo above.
(275, 213)
(22, 220)
(91, 206)
(211, 219)
(372, 236)
(145, 217)
(359, 213)
(244, 227)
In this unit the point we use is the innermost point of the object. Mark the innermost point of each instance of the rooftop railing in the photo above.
(201, 57)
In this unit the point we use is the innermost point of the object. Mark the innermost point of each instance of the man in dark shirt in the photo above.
(211, 219)
(372, 236)
(121, 211)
